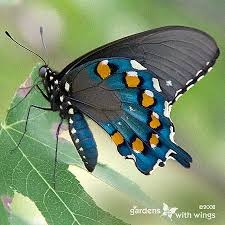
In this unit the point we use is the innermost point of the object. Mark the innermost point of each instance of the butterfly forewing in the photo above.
(177, 56)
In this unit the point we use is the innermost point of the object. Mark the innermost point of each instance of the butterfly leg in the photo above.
(27, 119)
(31, 88)
(43, 94)
(56, 152)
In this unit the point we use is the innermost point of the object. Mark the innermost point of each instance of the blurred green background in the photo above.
(73, 27)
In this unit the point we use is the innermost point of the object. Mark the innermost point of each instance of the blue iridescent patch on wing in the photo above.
(127, 102)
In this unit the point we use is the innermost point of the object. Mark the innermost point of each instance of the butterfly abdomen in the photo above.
(83, 140)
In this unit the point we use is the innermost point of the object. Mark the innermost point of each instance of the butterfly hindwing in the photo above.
(130, 146)
(127, 102)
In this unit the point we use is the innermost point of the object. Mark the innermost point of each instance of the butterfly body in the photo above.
(128, 87)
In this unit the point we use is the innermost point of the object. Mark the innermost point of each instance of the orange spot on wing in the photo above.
(147, 100)
(117, 138)
(154, 123)
(103, 70)
(132, 81)
(137, 145)
(154, 140)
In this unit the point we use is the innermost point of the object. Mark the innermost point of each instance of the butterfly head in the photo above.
(48, 75)
(50, 79)
(44, 71)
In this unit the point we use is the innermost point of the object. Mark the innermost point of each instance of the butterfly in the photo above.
(168, 212)
(128, 88)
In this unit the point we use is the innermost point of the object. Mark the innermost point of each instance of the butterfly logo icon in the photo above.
(168, 212)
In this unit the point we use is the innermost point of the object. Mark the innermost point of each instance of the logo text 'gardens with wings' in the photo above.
(173, 212)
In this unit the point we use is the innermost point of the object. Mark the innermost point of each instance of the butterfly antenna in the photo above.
(43, 43)
(7, 33)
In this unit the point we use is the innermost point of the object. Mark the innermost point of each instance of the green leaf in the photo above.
(28, 169)
(18, 221)
(3, 212)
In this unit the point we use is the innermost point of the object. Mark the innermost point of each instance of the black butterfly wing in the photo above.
(177, 55)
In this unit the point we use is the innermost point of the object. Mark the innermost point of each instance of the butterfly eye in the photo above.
(43, 71)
